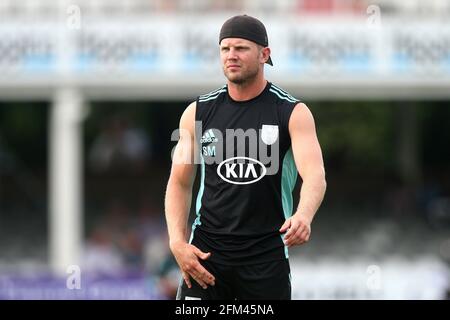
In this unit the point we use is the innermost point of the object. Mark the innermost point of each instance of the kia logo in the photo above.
(243, 172)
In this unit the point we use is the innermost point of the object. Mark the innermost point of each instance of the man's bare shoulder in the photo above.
(301, 117)
(188, 116)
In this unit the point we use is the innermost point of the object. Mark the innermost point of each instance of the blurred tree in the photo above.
(408, 142)
(355, 136)
(23, 129)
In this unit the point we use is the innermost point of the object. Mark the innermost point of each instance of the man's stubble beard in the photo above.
(245, 78)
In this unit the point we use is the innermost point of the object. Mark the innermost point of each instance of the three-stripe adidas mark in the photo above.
(209, 137)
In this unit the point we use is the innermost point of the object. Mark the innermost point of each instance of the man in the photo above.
(244, 225)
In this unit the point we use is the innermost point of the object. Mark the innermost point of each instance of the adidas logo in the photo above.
(208, 137)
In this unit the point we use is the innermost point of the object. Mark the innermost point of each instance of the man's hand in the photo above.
(298, 229)
(187, 257)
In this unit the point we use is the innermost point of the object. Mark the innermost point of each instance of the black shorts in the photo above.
(263, 281)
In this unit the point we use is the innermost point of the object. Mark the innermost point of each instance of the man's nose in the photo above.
(232, 54)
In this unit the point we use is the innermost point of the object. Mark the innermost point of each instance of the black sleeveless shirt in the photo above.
(247, 175)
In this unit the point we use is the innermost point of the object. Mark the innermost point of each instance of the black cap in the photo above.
(245, 27)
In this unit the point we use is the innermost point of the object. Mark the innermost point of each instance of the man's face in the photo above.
(241, 59)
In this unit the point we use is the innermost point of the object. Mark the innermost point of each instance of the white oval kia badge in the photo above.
(240, 170)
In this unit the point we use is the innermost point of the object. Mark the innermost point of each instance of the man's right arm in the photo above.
(178, 203)
(181, 180)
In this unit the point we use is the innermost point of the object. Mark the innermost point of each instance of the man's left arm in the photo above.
(309, 162)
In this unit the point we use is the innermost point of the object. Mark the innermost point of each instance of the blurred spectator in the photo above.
(100, 256)
(120, 145)
(438, 213)
(137, 236)
(152, 230)
(169, 277)
(400, 199)
(130, 246)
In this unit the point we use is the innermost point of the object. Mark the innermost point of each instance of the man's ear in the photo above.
(265, 53)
